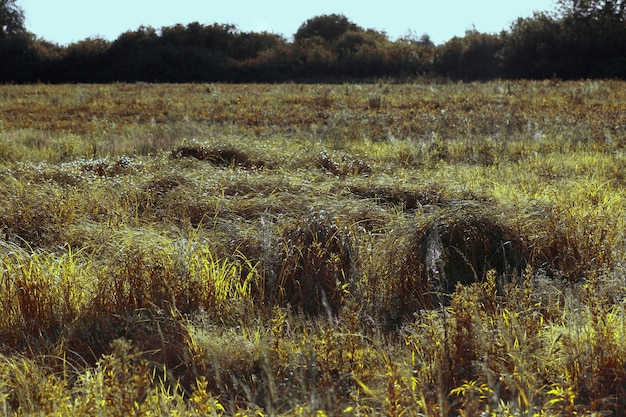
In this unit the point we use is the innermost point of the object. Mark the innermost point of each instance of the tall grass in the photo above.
(298, 250)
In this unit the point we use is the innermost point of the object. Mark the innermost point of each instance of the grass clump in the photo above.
(224, 155)
(315, 264)
(458, 244)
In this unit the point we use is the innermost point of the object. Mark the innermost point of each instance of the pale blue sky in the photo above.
(66, 21)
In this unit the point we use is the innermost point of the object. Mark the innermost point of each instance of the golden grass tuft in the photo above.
(315, 264)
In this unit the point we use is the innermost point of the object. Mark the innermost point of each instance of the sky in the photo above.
(67, 21)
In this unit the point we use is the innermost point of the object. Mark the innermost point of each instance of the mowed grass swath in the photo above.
(290, 249)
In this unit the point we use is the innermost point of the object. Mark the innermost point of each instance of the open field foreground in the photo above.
(300, 250)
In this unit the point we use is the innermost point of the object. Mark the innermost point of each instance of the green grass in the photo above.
(313, 250)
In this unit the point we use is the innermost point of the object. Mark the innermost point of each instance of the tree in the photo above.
(593, 9)
(250, 44)
(472, 57)
(413, 38)
(11, 18)
(593, 36)
(585, 39)
(327, 27)
(532, 48)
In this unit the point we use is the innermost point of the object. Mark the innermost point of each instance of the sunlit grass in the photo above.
(299, 250)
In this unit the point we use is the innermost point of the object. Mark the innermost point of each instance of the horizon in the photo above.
(65, 22)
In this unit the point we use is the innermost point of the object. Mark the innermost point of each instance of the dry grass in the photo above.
(312, 250)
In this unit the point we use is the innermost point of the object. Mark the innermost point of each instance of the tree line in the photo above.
(581, 39)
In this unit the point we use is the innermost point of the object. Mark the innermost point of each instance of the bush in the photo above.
(471, 58)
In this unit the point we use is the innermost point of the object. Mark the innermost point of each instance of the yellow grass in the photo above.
(291, 250)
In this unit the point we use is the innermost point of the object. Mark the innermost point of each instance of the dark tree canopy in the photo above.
(579, 39)
(594, 9)
(11, 18)
(328, 27)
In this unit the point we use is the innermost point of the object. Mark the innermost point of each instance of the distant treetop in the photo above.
(328, 27)
(11, 18)
(593, 9)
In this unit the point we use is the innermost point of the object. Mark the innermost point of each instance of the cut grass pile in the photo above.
(296, 250)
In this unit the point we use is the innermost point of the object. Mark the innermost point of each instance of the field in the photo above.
(298, 250)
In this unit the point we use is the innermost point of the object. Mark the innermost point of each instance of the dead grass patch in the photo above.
(218, 155)
(408, 199)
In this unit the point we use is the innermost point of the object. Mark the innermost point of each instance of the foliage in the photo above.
(376, 249)
(531, 48)
(11, 19)
(595, 9)
(327, 27)
(582, 39)
(471, 58)
(585, 40)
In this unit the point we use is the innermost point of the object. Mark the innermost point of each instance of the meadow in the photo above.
(297, 250)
